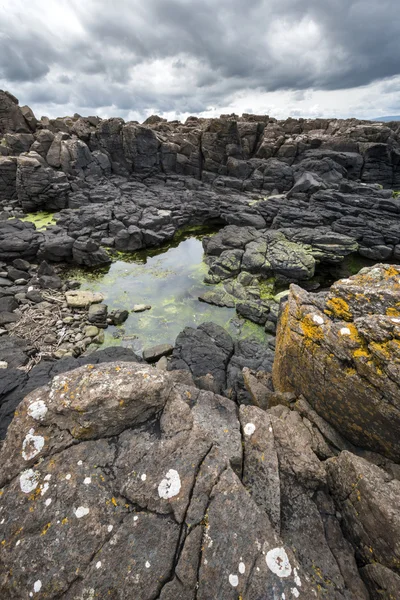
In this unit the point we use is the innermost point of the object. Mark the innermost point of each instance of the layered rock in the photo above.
(341, 351)
(120, 479)
(296, 176)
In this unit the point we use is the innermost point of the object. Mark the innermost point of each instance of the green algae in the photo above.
(41, 220)
(170, 280)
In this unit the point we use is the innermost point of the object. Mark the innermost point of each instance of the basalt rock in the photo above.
(122, 479)
(341, 351)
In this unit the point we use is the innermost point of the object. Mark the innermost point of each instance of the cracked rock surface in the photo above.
(124, 481)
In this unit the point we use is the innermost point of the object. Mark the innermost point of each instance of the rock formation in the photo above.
(325, 185)
(223, 472)
(124, 480)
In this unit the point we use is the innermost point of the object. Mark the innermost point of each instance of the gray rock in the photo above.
(153, 354)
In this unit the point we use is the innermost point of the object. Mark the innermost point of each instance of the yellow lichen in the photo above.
(45, 529)
(391, 272)
(312, 332)
(113, 500)
(340, 308)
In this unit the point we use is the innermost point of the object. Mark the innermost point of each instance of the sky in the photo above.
(175, 58)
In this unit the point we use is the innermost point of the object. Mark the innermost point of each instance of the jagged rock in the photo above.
(369, 501)
(341, 352)
(11, 115)
(138, 480)
(39, 186)
(19, 240)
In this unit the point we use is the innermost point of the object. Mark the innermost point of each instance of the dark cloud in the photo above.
(187, 55)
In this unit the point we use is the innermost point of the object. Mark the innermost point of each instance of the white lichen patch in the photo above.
(87, 480)
(249, 429)
(345, 331)
(295, 592)
(147, 565)
(44, 489)
(81, 511)
(37, 586)
(37, 410)
(143, 477)
(79, 463)
(98, 564)
(28, 481)
(318, 320)
(233, 580)
(170, 486)
(297, 579)
(110, 528)
(242, 568)
(68, 477)
(48, 502)
(32, 445)
(278, 562)
(395, 320)
(48, 477)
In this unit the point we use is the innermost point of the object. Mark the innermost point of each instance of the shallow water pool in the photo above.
(170, 282)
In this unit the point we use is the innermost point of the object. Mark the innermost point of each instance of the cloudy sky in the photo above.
(133, 58)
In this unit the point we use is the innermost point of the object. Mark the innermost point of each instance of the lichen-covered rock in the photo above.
(341, 350)
(122, 480)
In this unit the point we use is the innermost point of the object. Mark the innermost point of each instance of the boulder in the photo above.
(341, 351)
(152, 355)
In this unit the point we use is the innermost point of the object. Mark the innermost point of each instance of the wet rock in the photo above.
(140, 307)
(152, 355)
(118, 316)
(341, 352)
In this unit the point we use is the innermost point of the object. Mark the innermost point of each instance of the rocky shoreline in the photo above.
(231, 469)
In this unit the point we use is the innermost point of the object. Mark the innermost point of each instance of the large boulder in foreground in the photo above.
(123, 481)
(341, 351)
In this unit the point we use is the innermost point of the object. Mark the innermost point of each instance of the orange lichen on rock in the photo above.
(312, 331)
(340, 308)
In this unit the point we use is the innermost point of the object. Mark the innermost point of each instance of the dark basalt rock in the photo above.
(155, 474)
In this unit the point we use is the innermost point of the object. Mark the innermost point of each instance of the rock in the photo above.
(174, 476)
(91, 331)
(202, 351)
(82, 299)
(11, 115)
(8, 317)
(369, 501)
(141, 307)
(88, 253)
(22, 265)
(118, 316)
(162, 364)
(341, 352)
(97, 313)
(34, 296)
(8, 304)
(152, 355)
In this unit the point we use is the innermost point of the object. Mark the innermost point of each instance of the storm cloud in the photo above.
(175, 57)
